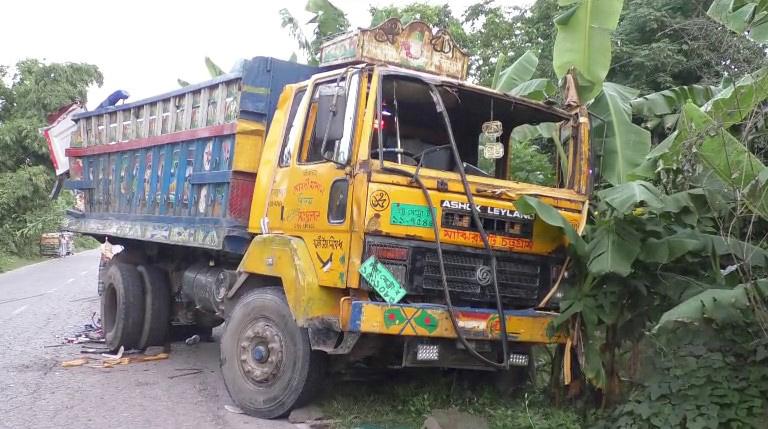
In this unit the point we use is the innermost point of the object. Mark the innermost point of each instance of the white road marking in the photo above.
(19, 310)
(84, 273)
(69, 281)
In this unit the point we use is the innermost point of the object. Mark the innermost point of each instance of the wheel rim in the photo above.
(261, 352)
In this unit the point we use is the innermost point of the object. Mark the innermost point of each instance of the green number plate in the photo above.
(410, 215)
(382, 280)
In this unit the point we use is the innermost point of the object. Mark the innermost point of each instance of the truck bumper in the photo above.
(432, 320)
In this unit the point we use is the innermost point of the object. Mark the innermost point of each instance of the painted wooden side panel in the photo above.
(179, 167)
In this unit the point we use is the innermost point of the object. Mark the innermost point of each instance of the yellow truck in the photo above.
(359, 211)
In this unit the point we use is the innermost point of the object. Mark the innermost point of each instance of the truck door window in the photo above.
(312, 141)
(287, 150)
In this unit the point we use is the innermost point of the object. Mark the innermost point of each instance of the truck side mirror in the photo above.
(331, 109)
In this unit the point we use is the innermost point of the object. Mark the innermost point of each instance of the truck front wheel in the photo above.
(266, 359)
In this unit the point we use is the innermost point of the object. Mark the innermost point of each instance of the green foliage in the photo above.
(718, 306)
(495, 29)
(528, 164)
(701, 137)
(644, 251)
(661, 44)
(516, 74)
(535, 89)
(734, 102)
(700, 377)
(405, 401)
(743, 17)
(584, 42)
(213, 69)
(328, 21)
(622, 145)
(661, 108)
(26, 176)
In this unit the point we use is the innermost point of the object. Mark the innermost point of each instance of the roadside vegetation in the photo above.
(29, 92)
(666, 304)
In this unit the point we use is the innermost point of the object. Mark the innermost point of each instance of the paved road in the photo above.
(41, 303)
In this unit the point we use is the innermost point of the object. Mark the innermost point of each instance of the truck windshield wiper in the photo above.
(475, 170)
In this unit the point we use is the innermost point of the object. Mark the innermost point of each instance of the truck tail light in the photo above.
(390, 253)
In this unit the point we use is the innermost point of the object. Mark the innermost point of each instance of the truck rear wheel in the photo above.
(266, 359)
(122, 306)
(157, 307)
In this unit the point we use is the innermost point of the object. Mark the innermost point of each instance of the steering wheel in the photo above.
(395, 150)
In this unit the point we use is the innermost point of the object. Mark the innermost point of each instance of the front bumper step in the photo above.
(432, 320)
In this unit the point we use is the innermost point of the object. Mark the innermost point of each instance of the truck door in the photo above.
(312, 193)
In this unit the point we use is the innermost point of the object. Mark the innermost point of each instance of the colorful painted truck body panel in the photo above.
(179, 167)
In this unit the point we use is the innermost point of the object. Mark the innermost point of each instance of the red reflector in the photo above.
(390, 253)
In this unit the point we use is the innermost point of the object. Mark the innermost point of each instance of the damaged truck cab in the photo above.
(365, 215)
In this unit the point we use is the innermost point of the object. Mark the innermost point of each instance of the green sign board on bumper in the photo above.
(382, 280)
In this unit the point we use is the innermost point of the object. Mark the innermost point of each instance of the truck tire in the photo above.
(122, 306)
(268, 365)
(157, 307)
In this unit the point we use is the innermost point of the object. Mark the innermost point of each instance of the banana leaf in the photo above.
(735, 102)
(613, 248)
(623, 145)
(550, 216)
(534, 89)
(583, 42)
(669, 101)
(213, 69)
(723, 306)
(743, 17)
(625, 197)
(519, 72)
(727, 156)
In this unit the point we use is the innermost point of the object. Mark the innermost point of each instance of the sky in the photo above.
(143, 46)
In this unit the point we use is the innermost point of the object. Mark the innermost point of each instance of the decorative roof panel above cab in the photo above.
(412, 46)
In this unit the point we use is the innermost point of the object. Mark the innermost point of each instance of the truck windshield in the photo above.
(495, 134)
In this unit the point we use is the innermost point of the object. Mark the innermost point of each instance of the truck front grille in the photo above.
(522, 278)
(517, 278)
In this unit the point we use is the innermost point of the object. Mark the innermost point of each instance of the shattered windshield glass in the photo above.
(496, 136)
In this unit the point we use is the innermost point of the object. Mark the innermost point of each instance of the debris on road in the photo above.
(190, 371)
(110, 363)
(194, 339)
(115, 356)
(94, 350)
(75, 362)
(233, 409)
(91, 333)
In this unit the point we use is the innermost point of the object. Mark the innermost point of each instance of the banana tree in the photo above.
(516, 79)
(583, 47)
(704, 134)
(643, 250)
(328, 20)
(743, 17)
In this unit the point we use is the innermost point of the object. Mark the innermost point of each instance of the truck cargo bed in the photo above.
(179, 167)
